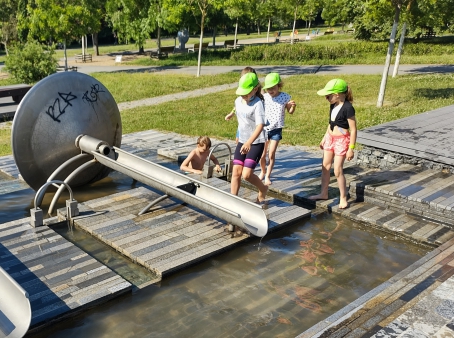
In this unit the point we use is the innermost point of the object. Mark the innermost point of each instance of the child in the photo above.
(196, 159)
(338, 143)
(276, 102)
(230, 115)
(251, 119)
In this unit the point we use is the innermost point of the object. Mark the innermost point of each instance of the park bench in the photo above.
(351, 31)
(289, 40)
(164, 52)
(328, 32)
(17, 92)
(230, 44)
(429, 34)
(196, 47)
(70, 68)
(83, 57)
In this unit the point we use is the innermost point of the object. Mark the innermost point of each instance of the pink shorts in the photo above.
(337, 144)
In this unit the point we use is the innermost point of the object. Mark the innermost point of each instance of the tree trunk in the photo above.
(294, 25)
(268, 33)
(384, 79)
(199, 61)
(399, 50)
(66, 56)
(214, 37)
(158, 39)
(258, 27)
(236, 33)
(309, 29)
(95, 43)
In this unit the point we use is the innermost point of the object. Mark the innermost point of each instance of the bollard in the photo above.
(36, 217)
(207, 171)
(71, 209)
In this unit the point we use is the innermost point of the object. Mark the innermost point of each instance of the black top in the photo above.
(347, 111)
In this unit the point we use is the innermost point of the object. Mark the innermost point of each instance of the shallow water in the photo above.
(289, 282)
(278, 287)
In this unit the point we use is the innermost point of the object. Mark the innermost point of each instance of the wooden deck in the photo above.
(172, 235)
(60, 278)
(427, 135)
(7, 108)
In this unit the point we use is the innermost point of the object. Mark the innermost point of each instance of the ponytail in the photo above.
(349, 94)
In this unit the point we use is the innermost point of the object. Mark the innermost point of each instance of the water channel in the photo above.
(278, 287)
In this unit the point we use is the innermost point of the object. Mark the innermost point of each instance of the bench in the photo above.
(429, 34)
(196, 47)
(351, 31)
(17, 92)
(164, 52)
(328, 32)
(83, 57)
(230, 44)
(290, 40)
(62, 69)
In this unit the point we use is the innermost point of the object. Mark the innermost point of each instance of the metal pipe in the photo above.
(212, 149)
(42, 191)
(64, 164)
(66, 183)
(159, 199)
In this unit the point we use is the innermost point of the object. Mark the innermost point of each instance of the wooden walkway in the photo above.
(426, 136)
(60, 278)
(172, 235)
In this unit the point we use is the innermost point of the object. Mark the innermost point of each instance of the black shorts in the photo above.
(250, 159)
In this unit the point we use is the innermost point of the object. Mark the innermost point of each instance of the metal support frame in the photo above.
(37, 213)
(208, 169)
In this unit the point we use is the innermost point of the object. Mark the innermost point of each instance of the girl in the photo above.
(276, 102)
(230, 115)
(338, 142)
(251, 119)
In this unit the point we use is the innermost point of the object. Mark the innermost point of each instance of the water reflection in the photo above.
(299, 276)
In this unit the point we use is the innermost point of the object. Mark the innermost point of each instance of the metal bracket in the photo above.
(36, 217)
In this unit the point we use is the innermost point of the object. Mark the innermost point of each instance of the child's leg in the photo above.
(248, 175)
(238, 163)
(263, 161)
(272, 158)
(328, 157)
(236, 179)
(339, 173)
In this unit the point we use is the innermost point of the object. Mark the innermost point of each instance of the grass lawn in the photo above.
(405, 96)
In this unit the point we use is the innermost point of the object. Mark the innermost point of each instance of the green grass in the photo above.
(405, 96)
(126, 86)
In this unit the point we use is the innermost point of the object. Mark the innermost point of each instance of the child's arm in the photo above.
(185, 165)
(352, 126)
(291, 105)
(230, 115)
(216, 162)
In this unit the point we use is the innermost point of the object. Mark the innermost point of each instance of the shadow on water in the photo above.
(277, 288)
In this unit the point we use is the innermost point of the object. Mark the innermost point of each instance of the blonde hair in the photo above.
(204, 141)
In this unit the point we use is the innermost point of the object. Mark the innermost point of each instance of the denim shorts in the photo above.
(275, 134)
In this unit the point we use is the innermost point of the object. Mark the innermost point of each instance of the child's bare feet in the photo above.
(319, 197)
(343, 204)
(261, 175)
(267, 181)
(262, 195)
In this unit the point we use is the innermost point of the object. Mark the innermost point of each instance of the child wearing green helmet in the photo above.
(251, 119)
(340, 137)
(229, 116)
(276, 103)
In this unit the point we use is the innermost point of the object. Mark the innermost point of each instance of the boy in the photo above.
(197, 157)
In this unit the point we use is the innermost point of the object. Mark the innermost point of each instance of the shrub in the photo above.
(31, 62)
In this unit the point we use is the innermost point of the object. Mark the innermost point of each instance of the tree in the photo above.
(202, 7)
(8, 22)
(130, 20)
(235, 9)
(52, 20)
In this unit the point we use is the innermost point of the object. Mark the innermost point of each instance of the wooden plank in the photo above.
(59, 277)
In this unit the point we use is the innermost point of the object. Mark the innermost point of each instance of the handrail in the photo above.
(215, 146)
